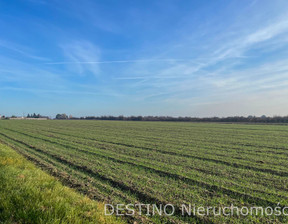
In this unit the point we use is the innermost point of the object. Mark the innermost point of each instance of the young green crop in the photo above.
(162, 162)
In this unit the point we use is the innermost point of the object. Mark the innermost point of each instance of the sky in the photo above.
(197, 58)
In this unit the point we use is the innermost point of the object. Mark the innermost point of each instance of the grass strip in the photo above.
(29, 195)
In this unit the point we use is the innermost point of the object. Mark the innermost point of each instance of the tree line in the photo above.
(34, 115)
(249, 119)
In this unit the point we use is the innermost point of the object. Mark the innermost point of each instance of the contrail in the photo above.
(110, 62)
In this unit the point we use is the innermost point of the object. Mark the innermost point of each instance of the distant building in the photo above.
(25, 118)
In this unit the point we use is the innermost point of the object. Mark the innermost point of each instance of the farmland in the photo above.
(175, 163)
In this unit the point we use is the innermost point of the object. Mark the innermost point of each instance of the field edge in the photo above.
(30, 195)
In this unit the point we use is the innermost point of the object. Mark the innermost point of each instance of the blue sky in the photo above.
(179, 58)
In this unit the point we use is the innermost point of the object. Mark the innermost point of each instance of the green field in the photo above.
(202, 164)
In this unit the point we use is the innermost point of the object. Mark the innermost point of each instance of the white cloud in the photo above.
(238, 47)
(81, 53)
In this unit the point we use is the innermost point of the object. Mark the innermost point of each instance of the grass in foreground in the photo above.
(28, 195)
